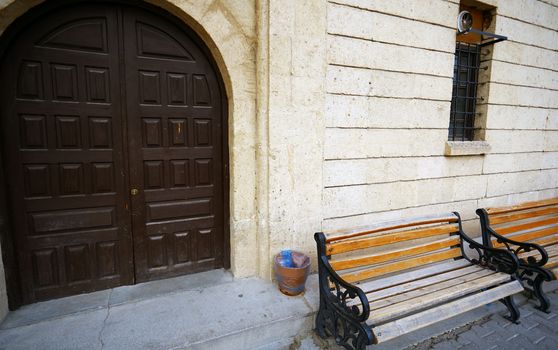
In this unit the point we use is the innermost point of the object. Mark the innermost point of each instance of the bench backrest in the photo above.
(535, 222)
(368, 252)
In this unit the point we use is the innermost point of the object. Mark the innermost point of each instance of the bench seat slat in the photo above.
(547, 241)
(409, 306)
(418, 292)
(425, 318)
(522, 206)
(401, 265)
(423, 282)
(418, 283)
(332, 236)
(413, 275)
(551, 251)
(394, 254)
(500, 219)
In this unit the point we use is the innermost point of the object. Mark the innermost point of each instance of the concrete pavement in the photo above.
(204, 311)
(213, 310)
(537, 330)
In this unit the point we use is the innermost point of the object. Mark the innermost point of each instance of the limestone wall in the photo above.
(338, 113)
(389, 85)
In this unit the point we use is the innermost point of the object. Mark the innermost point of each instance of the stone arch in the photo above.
(229, 31)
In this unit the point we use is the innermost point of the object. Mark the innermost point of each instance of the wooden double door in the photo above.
(113, 129)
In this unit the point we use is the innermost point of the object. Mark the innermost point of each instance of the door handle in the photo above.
(134, 191)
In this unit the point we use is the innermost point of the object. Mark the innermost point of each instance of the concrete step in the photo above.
(211, 311)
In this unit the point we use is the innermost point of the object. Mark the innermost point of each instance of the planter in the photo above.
(292, 280)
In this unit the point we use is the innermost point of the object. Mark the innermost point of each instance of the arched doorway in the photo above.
(113, 124)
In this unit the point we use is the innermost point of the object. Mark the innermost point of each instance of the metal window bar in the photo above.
(464, 94)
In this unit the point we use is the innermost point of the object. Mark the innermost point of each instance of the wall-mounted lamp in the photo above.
(465, 26)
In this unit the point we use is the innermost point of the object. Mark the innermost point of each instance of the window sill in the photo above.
(466, 148)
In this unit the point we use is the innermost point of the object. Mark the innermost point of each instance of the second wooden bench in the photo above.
(385, 280)
(530, 231)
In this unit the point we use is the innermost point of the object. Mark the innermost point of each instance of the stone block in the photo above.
(310, 18)
(368, 143)
(523, 140)
(549, 179)
(513, 198)
(196, 10)
(519, 53)
(552, 120)
(551, 140)
(429, 11)
(527, 33)
(369, 54)
(550, 160)
(350, 21)
(377, 83)
(243, 248)
(377, 170)
(512, 162)
(538, 13)
(517, 117)
(382, 112)
(281, 16)
(243, 13)
(514, 74)
(280, 56)
(517, 182)
(358, 200)
(465, 208)
(302, 49)
(522, 95)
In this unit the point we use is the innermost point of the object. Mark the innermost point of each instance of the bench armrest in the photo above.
(496, 259)
(342, 292)
(488, 232)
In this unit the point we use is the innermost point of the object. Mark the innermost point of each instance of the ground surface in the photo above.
(536, 330)
(215, 311)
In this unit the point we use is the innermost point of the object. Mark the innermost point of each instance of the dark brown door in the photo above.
(174, 123)
(112, 138)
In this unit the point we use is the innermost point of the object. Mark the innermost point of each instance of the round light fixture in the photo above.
(464, 22)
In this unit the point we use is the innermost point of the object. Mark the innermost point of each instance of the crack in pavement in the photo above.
(100, 336)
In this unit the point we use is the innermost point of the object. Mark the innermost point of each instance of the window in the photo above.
(466, 81)
(471, 82)
(464, 95)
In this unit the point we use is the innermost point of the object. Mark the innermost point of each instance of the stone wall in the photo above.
(292, 142)
(338, 113)
(389, 85)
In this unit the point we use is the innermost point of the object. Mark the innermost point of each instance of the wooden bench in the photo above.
(382, 281)
(530, 231)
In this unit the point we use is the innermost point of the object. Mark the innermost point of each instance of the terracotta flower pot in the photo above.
(292, 280)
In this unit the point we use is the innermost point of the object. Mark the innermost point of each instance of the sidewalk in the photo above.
(536, 330)
(214, 311)
(479, 329)
(209, 310)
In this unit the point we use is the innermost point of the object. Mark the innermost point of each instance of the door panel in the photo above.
(174, 123)
(62, 127)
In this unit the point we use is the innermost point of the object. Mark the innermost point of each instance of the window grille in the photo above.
(464, 95)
